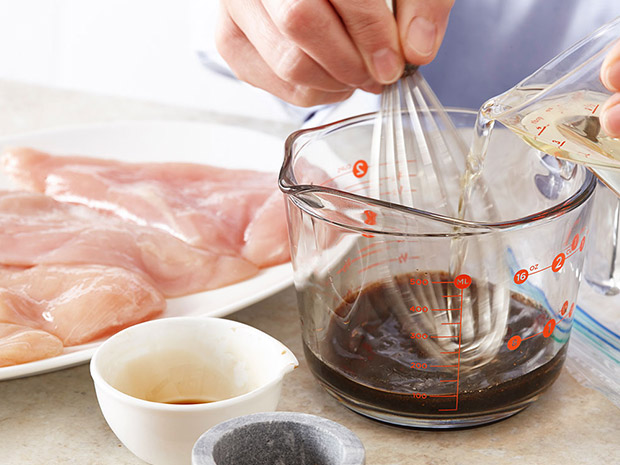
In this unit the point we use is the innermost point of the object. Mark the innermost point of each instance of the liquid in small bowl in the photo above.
(163, 383)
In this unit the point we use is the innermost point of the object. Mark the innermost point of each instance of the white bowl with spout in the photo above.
(163, 383)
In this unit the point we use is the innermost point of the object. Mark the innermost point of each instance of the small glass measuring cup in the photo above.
(386, 328)
(556, 110)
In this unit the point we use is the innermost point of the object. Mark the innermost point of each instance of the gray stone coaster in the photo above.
(278, 438)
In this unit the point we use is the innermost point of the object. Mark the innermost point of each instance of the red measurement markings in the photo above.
(461, 282)
(574, 247)
(564, 309)
(542, 129)
(558, 262)
(377, 244)
(515, 341)
(330, 180)
(371, 217)
(446, 395)
(556, 265)
(350, 261)
(360, 168)
(546, 332)
(358, 186)
(361, 185)
(391, 163)
(398, 259)
(521, 276)
(394, 191)
(374, 249)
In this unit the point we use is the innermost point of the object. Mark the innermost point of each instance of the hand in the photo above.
(610, 77)
(311, 52)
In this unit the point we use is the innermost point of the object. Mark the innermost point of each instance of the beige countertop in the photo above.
(54, 418)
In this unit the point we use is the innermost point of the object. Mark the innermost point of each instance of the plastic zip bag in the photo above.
(594, 349)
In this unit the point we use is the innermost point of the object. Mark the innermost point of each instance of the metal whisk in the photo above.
(418, 157)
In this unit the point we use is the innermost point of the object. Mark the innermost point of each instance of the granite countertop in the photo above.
(54, 418)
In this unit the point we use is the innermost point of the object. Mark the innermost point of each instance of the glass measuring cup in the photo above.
(386, 328)
(556, 109)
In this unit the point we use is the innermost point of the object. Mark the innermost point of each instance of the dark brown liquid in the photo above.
(189, 402)
(366, 357)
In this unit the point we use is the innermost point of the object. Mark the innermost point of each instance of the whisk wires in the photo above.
(417, 158)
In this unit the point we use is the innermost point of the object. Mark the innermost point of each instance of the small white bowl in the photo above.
(145, 376)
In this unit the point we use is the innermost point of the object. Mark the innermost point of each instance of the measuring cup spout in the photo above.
(287, 362)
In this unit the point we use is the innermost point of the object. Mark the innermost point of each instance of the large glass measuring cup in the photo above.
(386, 328)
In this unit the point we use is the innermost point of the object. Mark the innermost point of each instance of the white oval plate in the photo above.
(160, 141)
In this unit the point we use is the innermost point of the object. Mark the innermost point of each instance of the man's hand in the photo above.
(311, 52)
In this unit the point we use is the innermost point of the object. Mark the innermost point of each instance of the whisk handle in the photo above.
(409, 69)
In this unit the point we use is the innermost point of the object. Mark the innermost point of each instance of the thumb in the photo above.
(421, 26)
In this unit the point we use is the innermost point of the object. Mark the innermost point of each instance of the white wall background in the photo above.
(144, 49)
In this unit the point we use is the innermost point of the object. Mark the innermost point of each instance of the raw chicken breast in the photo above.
(212, 208)
(36, 229)
(21, 344)
(77, 303)
(266, 237)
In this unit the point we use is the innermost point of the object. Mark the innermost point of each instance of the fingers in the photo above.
(302, 50)
(317, 29)
(421, 27)
(610, 77)
(610, 69)
(284, 57)
(250, 67)
(610, 116)
(372, 27)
